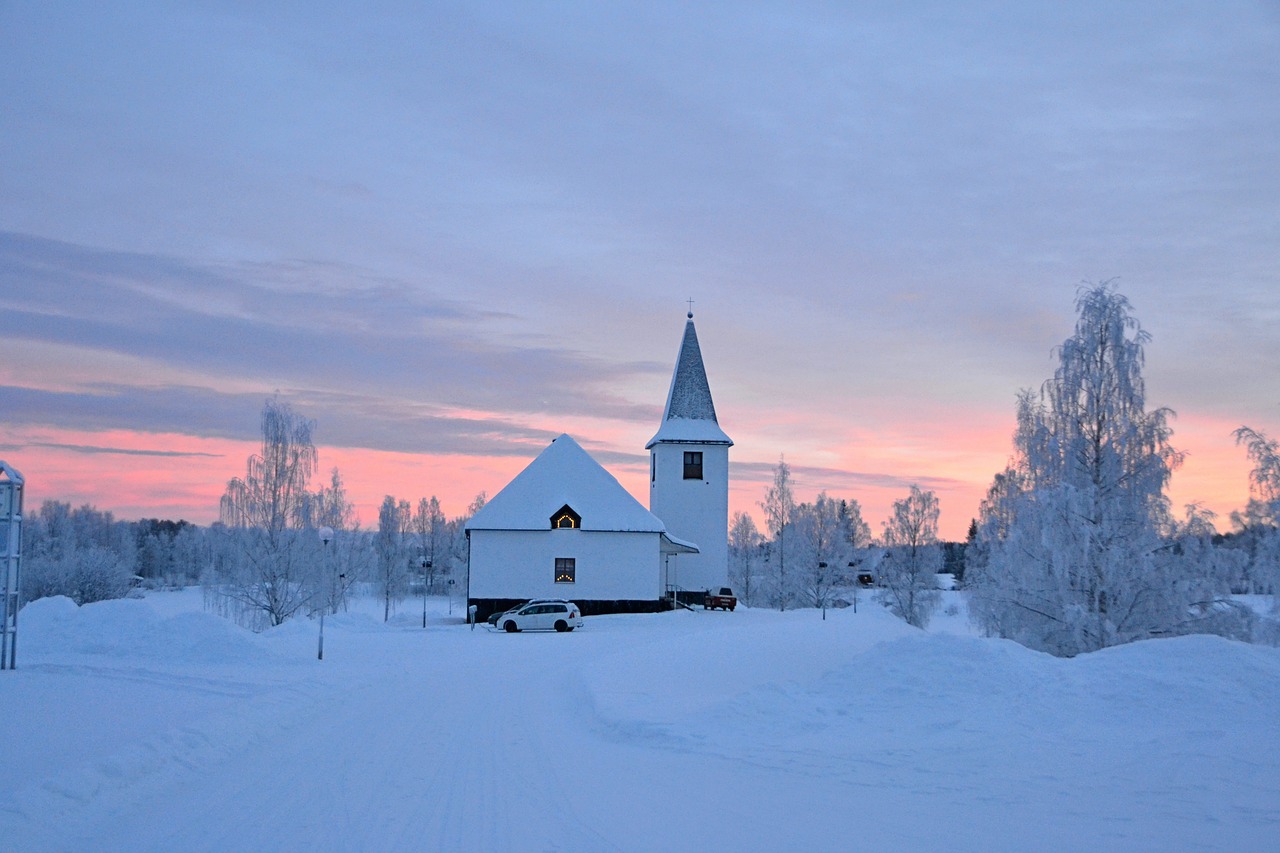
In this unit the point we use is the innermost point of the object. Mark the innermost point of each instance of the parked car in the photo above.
(541, 615)
(498, 614)
(724, 600)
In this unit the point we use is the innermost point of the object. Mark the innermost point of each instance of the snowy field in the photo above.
(151, 726)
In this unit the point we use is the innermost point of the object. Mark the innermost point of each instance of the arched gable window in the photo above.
(565, 519)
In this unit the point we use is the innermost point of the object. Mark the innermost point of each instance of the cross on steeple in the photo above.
(690, 301)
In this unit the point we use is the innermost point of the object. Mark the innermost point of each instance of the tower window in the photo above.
(565, 519)
(653, 468)
(693, 465)
(566, 569)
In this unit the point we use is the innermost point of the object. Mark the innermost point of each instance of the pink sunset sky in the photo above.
(448, 234)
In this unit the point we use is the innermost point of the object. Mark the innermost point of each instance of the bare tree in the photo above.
(907, 572)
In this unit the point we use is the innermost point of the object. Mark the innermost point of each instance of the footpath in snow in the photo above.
(149, 726)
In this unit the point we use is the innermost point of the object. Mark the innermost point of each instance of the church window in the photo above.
(693, 465)
(565, 519)
(653, 467)
(566, 569)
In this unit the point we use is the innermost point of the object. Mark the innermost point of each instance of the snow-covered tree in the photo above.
(1073, 553)
(456, 550)
(822, 550)
(330, 507)
(81, 553)
(1261, 519)
(779, 505)
(912, 557)
(390, 545)
(857, 533)
(745, 542)
(430, 526)
(269, 562)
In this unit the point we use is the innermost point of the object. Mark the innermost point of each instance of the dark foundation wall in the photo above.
(488, 606)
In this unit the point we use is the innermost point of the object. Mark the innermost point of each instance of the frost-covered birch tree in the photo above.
(912, 558)
(430, 526)
(1263, 511)
(389, 544)
(779, 505)
(1072, 553)
(269, 562)
(822, 550)
(745, 541)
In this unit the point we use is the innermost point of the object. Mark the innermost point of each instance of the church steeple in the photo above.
(689, 473)
(690, 414)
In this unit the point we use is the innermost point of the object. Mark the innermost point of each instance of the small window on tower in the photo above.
(566, 569)
(693, 465)
(653, 468)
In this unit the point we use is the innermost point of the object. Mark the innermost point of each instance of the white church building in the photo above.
(566, 528)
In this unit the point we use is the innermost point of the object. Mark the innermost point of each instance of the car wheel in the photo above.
(510, 627)
(562, 625)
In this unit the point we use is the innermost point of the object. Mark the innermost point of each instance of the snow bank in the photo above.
(126, 628)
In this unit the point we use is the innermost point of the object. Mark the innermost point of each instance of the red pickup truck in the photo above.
(726, 600)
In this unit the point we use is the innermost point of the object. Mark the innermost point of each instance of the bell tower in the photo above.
(689, 473)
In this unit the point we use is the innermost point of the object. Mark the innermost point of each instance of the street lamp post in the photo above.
(822, 587)
(426, 564)
(326, 536)
(853, 573)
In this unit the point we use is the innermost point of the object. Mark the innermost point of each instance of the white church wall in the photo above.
(609, 566)
(694, 510)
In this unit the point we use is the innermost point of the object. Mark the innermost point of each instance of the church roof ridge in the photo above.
(564, 474)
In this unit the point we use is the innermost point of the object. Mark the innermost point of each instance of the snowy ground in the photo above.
(150, 726)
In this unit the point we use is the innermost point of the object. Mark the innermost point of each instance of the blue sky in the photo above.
(449, 232)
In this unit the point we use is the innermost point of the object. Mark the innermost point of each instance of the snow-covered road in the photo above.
(691, 731)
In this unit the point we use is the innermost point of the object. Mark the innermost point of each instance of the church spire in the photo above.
(690, 414)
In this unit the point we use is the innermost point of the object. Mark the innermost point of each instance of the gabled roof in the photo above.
(563, 474)
(690, 415)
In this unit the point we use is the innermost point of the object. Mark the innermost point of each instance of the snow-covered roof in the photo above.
(690, 415)
(563, 474)
(672, 545)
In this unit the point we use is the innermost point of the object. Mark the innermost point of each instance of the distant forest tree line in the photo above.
(264, 561)
(1075, 549)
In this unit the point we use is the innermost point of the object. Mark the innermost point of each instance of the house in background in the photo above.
(566, 528)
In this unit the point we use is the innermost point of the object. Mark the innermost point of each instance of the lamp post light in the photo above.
(822, 587)
(326, 536)
(426, 564)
